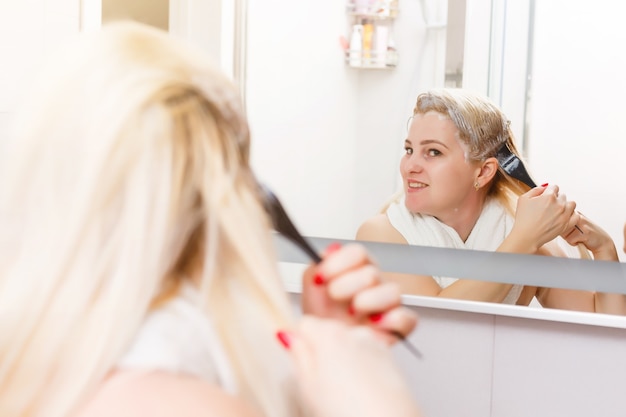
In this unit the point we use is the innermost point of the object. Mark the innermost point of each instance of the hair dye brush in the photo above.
(284, 226)
(514, 167)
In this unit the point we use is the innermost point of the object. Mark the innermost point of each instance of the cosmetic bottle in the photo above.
(356, 46)
(381, 38)
(368, 34)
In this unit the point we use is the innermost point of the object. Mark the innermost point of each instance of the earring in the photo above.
(476, 185)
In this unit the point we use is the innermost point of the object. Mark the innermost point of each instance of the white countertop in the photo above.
(536, 313)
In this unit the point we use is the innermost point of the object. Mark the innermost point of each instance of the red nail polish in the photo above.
(376, 317)
(351, 310)
(333, 247)
(318, 279)
(544, 185)
(283, 338)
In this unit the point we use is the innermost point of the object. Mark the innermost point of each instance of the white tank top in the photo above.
(178, 337)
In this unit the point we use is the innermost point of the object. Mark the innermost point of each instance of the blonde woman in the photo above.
(455, 194)
(138, 273)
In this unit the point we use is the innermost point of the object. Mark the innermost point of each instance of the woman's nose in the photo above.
(414, 163)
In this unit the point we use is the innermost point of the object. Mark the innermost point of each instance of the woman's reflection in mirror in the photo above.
(456, 195)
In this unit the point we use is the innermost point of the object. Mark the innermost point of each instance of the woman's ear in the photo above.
(487, 171)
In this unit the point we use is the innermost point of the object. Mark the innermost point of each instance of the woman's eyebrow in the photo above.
(429, 141)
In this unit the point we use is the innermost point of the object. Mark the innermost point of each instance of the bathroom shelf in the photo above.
(377, 9)
(358, 59)
(371, 44)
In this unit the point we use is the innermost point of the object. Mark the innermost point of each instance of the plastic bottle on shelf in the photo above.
(368, 35)
(392, 53)
(379, 56)
(355, 53)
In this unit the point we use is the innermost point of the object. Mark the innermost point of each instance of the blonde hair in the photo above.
(129, 167)
(483, 128)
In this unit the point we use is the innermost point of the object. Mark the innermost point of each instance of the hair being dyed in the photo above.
(129, 169)
(482, 127)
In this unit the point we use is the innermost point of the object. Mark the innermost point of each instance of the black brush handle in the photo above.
(288, 230)
(514, 167)
(283, 224)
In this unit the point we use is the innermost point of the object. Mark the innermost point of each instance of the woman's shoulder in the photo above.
(162, 394)
(379, 229)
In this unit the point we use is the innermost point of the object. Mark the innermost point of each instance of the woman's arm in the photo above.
(379, 229)
(602, 247)
(566, 299)
(579, 300)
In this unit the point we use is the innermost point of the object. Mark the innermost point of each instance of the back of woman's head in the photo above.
(128, 173)
(482, 127)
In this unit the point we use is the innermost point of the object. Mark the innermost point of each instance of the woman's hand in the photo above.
(346, 371)
(347, 286)
(594, 238)
(542, 215)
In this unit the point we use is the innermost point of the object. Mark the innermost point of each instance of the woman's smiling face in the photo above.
(437, 175)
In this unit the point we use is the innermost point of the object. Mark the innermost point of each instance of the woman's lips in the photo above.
(416, 185)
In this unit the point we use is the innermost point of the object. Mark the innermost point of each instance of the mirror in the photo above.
(328, 138)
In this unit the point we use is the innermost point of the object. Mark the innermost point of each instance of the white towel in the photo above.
(493, 225)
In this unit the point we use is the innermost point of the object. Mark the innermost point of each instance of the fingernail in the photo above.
(283, 338)
(318, 279)
(333, 247)
(351, 310)
(545, 185)
(376, 317)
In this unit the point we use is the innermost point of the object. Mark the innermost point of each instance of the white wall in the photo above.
(328, 137)
(29, 30)
(577, 136)
(302, 108)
